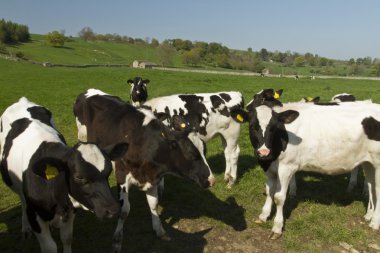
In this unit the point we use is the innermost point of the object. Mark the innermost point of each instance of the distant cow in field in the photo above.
(154, 150)
(304, 136)
(209, 115)
(52, 179)
(138, 91)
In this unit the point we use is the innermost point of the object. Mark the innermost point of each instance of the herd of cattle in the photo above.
(149, 139)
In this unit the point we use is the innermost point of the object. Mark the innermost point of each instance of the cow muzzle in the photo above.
(263, 152)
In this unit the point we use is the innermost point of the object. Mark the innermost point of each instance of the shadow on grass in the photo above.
(218, 164)
(324, 189)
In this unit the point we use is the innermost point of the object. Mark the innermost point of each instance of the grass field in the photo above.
(213, 220)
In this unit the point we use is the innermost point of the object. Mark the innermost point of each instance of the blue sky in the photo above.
(339, 29)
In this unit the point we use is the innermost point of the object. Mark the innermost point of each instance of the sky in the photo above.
(337, 29)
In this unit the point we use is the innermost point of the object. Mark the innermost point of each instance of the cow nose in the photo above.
(263, 152)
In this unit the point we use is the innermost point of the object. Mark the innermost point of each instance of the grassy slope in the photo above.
(321, 216)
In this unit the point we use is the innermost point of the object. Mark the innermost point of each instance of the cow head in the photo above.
(267, 97)
(267, 131)
(343, 97)
(186, 155)
(81, 172)
(139, 92)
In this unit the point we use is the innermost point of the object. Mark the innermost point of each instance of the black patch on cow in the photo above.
(225, 96)
(346, 98)
(44, 115)
(17, 128)
(181, 112)
(216, 102)
(40, 113)
(195, 107)
(371, 128)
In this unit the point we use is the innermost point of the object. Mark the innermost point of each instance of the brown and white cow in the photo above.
(154, 150)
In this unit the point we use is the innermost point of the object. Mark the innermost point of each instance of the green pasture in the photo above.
(321, 216)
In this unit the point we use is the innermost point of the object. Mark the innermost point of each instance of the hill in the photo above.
(197, 55)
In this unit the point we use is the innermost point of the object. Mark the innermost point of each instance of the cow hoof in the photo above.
(274, 236)
(165, 238)
(259, 221)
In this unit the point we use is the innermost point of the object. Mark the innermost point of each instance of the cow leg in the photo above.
(161, 186)
(293, 187)
(269, 190)
(124, 211)
(375, 221)
(25, 229)
(369, 172)
(66, 231)
(44, 238)
(231, 152)
(284, 176)
(152, 198)
(353, 179)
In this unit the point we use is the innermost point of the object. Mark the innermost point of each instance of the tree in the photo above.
(191, 57)
(165, 53)
(86, 33)
(299, 61)
(154, 43)
(55, 39)
(264, 55)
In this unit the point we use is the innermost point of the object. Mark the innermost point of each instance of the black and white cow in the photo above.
(304, 136)
(209, 115)
(51, 178)
(139, 91)
(154, 150)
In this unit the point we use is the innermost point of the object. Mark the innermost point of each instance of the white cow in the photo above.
(325, 139)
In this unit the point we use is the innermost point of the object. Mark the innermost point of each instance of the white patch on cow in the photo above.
(92, 155)
(77, 204)
(264, 115)
(149, 116)
(146, 186)
(93, 92)
(82, 130)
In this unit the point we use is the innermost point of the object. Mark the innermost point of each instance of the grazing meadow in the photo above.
(197, 220)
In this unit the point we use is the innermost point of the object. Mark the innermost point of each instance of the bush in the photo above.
(55, 39)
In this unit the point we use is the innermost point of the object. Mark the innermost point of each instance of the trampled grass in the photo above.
(321, 216)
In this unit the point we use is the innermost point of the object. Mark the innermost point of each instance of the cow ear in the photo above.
(180, 124)
(146, 81)
(130, 81)
(48, 169)
(277, 94)
(115, 152)
(288, 116)
(239, 115)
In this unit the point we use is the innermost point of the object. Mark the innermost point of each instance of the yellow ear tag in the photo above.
(276, 95)
(51, 172)
(239, 118)
(183, 125)
(309, 99)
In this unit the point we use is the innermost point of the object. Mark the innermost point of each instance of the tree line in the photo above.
(11, 32)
